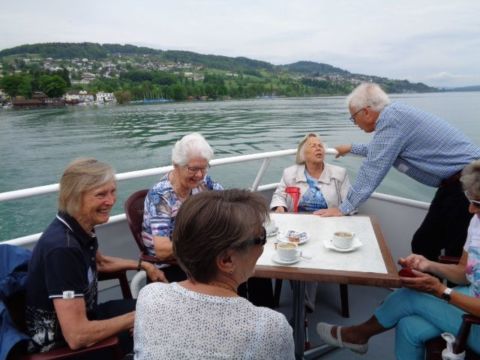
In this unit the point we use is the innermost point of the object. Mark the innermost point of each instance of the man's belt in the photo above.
(455, 178)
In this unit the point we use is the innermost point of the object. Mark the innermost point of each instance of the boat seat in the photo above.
(134, 207)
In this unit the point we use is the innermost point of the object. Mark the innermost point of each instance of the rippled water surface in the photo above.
(36, 145)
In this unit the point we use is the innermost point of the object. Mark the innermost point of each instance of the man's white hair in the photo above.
(368, 95)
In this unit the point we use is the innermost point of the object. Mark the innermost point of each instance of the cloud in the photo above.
(406, 39)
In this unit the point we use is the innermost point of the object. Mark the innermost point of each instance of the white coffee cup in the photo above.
(343, 239)
(287, 251)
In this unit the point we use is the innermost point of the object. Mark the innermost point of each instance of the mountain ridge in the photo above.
(142, 72)
(101, 51)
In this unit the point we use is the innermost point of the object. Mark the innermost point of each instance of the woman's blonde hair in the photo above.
(471, 179)
(300, 158)
(80, 176)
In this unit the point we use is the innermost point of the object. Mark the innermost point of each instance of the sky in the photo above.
(436, 42)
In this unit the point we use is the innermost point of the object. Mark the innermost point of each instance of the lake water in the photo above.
(36, 145)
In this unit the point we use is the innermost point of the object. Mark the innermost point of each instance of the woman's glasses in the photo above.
(260, 240)
(193, 170)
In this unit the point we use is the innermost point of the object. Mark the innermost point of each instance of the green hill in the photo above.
(141, 72)
(313, 68)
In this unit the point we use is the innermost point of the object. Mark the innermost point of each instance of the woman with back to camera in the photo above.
(426, 307)
(190, 157)
(217, 240)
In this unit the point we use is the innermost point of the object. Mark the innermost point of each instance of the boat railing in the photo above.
(52, 188)
(256, 185)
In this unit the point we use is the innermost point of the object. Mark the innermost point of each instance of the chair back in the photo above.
(134, 208)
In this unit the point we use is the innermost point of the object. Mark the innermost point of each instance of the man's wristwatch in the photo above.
(447, 294)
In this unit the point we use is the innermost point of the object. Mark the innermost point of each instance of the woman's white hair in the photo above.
(368, 95)
(191, 145)
(300, 157)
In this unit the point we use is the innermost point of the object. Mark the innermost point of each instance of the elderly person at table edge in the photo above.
(425, 148)
(217, 240)
(321, 185)
(61, 290)
(190, 157)
(428, 307)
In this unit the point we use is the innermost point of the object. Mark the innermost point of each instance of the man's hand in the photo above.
(328, 212)
(343, 150)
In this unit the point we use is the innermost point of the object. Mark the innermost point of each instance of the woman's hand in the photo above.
(328, 212)
(415, 261)
(279, 209)
(423, 282)
(154, 273)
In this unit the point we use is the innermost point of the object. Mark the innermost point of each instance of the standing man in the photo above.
(425, 148)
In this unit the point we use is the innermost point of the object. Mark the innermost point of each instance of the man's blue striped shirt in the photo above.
(419, 144)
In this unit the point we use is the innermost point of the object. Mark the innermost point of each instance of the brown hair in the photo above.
(80, 176)
(211, 222)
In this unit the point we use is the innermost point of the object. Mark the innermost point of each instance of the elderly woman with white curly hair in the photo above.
(190, 157)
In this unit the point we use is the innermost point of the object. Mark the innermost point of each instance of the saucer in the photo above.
(355, 245)
(284, 237)
(277, 260)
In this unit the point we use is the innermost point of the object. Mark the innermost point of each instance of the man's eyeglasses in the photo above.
(475, 203)
(352, 118)
(260, 240)
(193, 170)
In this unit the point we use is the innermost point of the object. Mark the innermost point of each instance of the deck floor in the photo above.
(362, 300)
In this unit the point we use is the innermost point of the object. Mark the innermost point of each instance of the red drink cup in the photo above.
(294, 193)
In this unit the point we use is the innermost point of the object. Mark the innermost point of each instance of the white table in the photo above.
(370, 264)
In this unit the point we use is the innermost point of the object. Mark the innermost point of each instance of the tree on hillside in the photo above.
(52, 85)
(179, 92)
(17, 85)
(123, 97)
